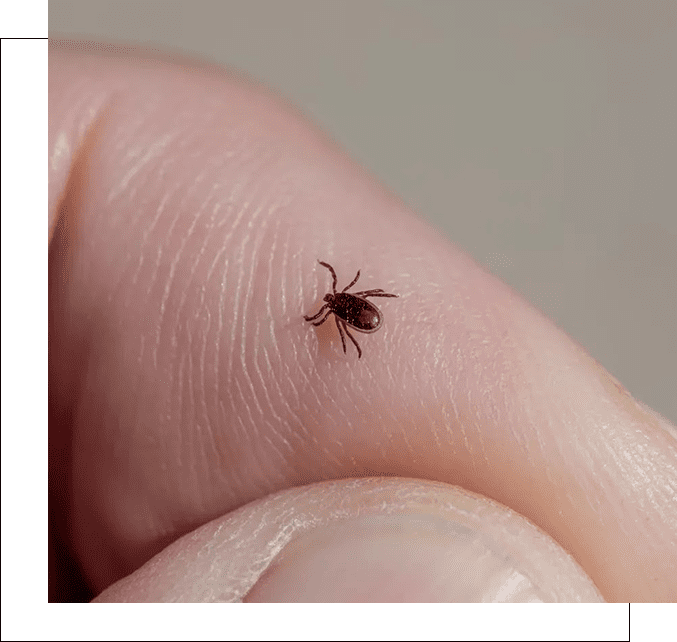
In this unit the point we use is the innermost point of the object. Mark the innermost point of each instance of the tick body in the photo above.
(350, 309)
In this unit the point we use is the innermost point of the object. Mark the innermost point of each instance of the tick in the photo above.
(350, 309)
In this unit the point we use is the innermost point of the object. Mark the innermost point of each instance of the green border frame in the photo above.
(24, 436)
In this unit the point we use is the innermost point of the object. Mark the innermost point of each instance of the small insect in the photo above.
(351, 309)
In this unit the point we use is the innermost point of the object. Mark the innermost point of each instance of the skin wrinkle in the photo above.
(246, 304)
(443, 435)
(292, 429)
(666, 493)
(220, 474)
(238, 481)
(193, 461)
(205, 334)
(478, 437)
(173, 266)
(220, 310)
(258, 344)
(177, 383)
(279, 396)
(207, 402)
(542, 453)
(139, 205)
(252, 384)
(611, 512)
(152, 282)
(584, 452)
(651, 493)
(299, 427)
(482, 448)
(620, 462)
(146, 233)
(237, 309)
(218, 358)
(201, 420)
(276, 452)
(152, 152)
(285, 314)
(464, 435)
(193, 393)
(526, 413)
(335, 459)
(252, 423)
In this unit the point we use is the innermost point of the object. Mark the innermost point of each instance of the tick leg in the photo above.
(343, 341)
(367, 293)
(321, 321)
(353, 282)
(352, 338)
(322, 309)
(333, 274)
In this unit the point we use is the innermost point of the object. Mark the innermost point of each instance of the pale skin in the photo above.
(187, 214)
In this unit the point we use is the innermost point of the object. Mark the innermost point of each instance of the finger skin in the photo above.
(193, 210)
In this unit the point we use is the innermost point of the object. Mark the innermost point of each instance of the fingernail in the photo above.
(396, 558)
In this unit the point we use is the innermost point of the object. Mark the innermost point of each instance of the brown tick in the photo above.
(351, 309)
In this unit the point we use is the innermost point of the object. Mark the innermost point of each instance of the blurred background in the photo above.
(540, 136)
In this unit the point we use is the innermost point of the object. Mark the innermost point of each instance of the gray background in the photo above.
(539, 136)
